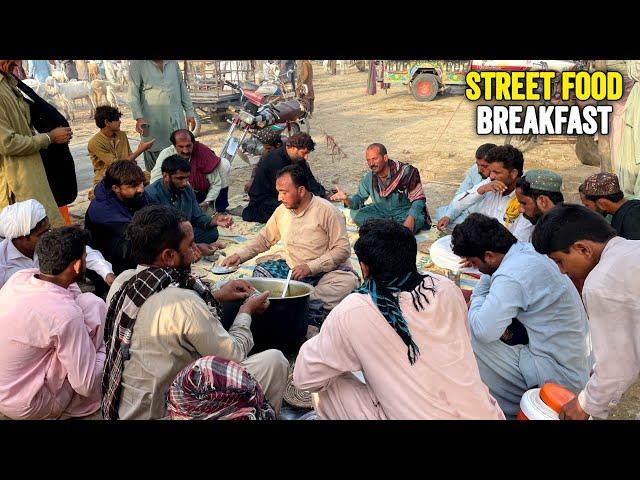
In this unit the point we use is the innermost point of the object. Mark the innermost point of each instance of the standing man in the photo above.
(305, 77)
(601, 193)
(22, 173)
(395, 189)
(159, 101)
(39, 69)
(585, 247)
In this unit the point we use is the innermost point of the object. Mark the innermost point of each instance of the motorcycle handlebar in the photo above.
(235, 86)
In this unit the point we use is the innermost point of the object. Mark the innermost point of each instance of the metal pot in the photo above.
(284, 324)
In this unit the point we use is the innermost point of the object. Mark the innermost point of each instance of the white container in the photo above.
(532, 406)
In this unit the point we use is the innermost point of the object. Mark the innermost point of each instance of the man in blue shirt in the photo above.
(519, 283)
(173, 189)
(476, 173)
(39, 69)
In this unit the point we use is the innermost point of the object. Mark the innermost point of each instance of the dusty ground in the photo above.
(438, 137)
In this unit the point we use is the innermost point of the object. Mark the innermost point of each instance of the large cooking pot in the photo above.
(284, 324)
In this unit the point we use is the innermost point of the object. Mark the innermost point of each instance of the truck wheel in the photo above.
(361, 65)
(424, 87)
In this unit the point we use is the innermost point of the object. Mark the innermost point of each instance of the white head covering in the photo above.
(19, 219)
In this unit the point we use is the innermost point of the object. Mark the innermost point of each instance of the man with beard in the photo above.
(601, 193)
(263, 196)
(209, 175)
(538, 192)
(52, 350)
(519, 283)
(395, 190)
(476, 173)
(117, 197)
(174, 189)
(159, 311)
(22, 224)
(496, 196)
(315, 240)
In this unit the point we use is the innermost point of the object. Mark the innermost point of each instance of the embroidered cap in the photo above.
(544, 180)
(600, 184)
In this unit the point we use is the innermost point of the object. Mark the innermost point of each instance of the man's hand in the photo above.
(197, 254)
(464, 263)
(494, 186)
(109, 279)
(60, 135)
(231, 261)
(256, 305)
(339, 196)
(443, 223)
(300, 271)
(204, 206)
(223, 220)
(144, 146)
(233, 290)
(206, 249)
(139, 122)
(573, 411)
(410, 223)
(191, 123)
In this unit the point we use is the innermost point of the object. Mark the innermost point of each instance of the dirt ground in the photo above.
(438, 137)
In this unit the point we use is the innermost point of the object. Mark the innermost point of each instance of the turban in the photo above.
(19, 219)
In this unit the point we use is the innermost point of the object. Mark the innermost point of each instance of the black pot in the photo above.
(283, 325)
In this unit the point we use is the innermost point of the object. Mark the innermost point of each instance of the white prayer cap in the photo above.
(19, 219)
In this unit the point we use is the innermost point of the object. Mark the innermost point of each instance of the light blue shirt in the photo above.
(39, 69)
(529, 286)
(471, 179)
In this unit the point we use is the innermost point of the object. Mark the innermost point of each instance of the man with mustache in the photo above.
(538, 192)
(52, 351)
(117, 197)
(394, 188)
(601, 193)
(174, 189)
(263, 196)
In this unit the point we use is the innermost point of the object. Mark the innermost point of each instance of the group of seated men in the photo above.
(424, 354)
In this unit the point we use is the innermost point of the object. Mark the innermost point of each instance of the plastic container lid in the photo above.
(555, 396)
(534, 408)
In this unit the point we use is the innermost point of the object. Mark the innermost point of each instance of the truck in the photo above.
(425, 78)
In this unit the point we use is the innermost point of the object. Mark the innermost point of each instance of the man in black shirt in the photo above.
(263, 196)
(601, 193)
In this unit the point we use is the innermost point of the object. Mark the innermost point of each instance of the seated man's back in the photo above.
(51, 347)
(438, 379)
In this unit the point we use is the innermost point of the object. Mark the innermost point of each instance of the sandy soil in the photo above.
(438, 137)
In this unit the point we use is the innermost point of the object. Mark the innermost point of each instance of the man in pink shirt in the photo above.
(408, 335)
(51, 335)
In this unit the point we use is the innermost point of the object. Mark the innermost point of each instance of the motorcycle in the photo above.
(262, 108)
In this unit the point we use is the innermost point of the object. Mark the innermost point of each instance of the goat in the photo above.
(73, 91)
(103, 93)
